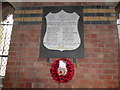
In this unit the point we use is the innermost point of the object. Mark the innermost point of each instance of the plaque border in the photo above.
(77, 53)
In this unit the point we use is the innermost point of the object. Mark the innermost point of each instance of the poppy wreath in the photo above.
(62, 78)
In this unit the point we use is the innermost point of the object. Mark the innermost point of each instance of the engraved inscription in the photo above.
(62, 31)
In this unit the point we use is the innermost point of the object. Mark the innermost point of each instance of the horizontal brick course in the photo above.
(28, 11)
(100, 18)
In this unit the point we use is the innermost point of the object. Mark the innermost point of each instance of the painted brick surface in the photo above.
(98, 69)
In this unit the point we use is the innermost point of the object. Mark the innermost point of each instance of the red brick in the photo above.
(94, 36)
(111, 82)
(95, 60)
(109, 71)
(94, 40)
(43, 69)
(82, 60)
(30, 39)
(89, 27)
(110, 66)
(13, 48)
(27, 80)
(8, 84)
(17, 39)
(30, 69)
(111, 55)
(29, 31)
(94, 55)
(109, 40)
(27, 59)
(116, 77)
(106, 86)
(16, 27)
(106, 77)
(79, 75)
(28, 85)
(6, 78)
(93, 76)
(91, 50)
(14, 44)
(76, 65)
(51, 86)
(54, 59)
(43, 75)
(112, 26)
(12, 63)
(30, 27)
(38, 85)
(90, 65)
(74, 85)
(41, 59)
(97, 82)
(11, 68)
(31, 44)
(87, 36)
(21, 85)
(29, 54)
(11, 74)
(12, 53)
(50, 80)
(89, 44)
(84, 82)
(86, 86)
(25, 64)
(100, 45)
(26, 74)
(110, 60)
(49, 65)
(68, 85)
(95, 71)
(82, 70)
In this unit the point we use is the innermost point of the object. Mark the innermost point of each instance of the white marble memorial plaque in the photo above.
(62, 31)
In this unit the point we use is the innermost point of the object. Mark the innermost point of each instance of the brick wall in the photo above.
(119, 63)
(99, 67)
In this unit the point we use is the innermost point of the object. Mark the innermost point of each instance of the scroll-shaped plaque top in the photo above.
(62, 31)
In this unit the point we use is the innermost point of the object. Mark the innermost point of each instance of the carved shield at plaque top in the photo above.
(62, 31)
